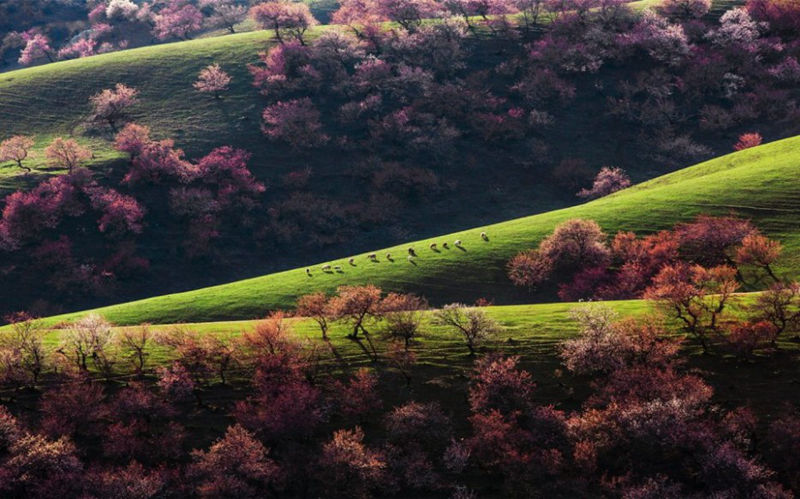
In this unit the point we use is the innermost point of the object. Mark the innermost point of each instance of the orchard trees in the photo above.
(16, 149)
(111, 105)
(67, 153)
(212, 80)
(289, 20)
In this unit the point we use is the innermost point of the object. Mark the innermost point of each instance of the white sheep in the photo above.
(433, 246)
(308, 271)
(352, 261)
(445, 245)
(372, 256)
(484, 236)
(388, 256)
(326, 267)
(337, 268)
(457, 242)
(412, 252)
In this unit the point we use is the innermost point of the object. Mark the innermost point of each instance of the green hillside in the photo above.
(759, 183)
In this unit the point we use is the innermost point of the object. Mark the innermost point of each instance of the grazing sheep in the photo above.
(484, 236)
(411, 252)
(458, 242)
(433, 246)
(372, 256)
(388, 256)
(352, 261)
(337, 268)
(445, 245)
(308, 271)
(326, 268)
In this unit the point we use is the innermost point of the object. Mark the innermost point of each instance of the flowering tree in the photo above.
(606, 344)
(83, 47)
(315, 306)
(16, 149)
(213, 80)
(409, 13)
(111, 105)
(362, 16)
(289, 20)
(695, 295)
(607, 181)
(67, 153)
(346, 463)
(121, 10)
(685, 9)
(357, 305)
(25, 341)
(482, 8)
(296, 122)
(132, 139)
(748, 140)
(87, 339)
(178, 19)
(783, 16)
(225, 13)
(237, 465)
(759, 251)
(471, 323)
(712, 240)
(37, 46)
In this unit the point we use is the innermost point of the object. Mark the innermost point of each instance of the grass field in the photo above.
(759, 183)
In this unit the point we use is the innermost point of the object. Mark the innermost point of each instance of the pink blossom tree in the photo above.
(607, 181)
(67, 153)
(16, 149)
(237, 465)
(296, 122)
(213, 80)
(179, 19)
(37, 46)
(111, 105)
(225, 13)
(685, 9)
(289, 20)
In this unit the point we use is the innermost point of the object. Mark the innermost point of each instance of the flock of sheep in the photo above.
(373, 257)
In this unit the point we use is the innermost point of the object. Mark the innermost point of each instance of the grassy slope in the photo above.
(760, 183)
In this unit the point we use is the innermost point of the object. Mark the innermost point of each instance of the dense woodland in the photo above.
(687, 389)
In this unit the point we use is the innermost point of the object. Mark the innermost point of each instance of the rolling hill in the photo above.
(758, 183)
